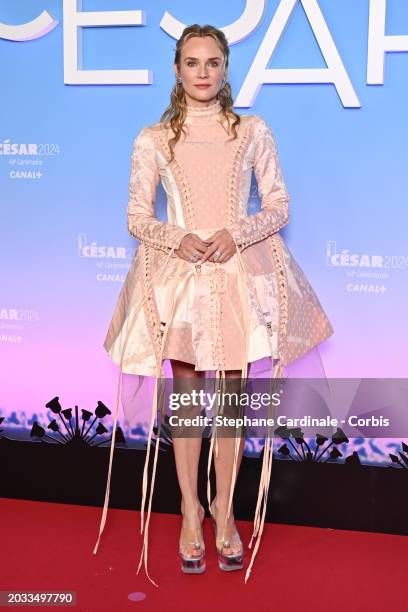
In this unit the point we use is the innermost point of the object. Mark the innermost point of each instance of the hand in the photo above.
(191, 243)
(221, 241)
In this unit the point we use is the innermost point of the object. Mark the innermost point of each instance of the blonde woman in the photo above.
(212, 289)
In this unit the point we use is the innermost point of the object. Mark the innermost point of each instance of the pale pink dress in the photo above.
(217, 316)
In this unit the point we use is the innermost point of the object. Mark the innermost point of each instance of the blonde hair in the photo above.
(176, 112)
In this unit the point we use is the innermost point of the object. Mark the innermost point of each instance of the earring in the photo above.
(178, 79)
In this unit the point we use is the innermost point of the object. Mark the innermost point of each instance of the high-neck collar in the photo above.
(205, 112)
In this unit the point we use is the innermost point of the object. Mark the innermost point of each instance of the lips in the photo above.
(202, 86)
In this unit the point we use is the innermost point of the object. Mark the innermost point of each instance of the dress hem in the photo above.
(142, 370)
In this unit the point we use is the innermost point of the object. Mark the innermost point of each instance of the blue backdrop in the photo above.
(65, 149)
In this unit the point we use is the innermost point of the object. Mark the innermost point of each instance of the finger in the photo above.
(206, 244)
(210, 250)
(223, 252)
(192, 248)
(186, 251)
(221, 249)
(225, 255)
(195, 254)
(199, 245)
(210, 239)
(200, 250)
(206, 255)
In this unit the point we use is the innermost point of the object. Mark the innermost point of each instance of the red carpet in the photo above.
(48, 546)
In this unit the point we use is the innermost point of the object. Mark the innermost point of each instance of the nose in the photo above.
(202, 72)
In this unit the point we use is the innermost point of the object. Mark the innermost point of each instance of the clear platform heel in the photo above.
(233, 561)
(193, 563)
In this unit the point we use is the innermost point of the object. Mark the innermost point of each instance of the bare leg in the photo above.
(187, 454)
(223, 469)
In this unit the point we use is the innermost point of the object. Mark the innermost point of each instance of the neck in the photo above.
(204, 111)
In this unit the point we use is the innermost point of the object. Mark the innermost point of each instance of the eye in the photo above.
(214, 63)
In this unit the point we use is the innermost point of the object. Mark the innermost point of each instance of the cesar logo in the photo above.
(334, 73)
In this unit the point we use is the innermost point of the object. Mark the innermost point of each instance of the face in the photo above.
(202, 62)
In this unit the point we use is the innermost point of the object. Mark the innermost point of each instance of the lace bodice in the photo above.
(208, 183)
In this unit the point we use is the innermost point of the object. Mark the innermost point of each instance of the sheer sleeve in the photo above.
(274, 213)
(144, 178)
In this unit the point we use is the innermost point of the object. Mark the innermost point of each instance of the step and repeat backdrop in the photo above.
(79, 80)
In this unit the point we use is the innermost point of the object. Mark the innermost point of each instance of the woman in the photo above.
(211, 289)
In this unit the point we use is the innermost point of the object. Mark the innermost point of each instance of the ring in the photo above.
(216, 255)
(194, 255)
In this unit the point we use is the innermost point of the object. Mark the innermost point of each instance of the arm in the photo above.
(272, 189)
(144, 177)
